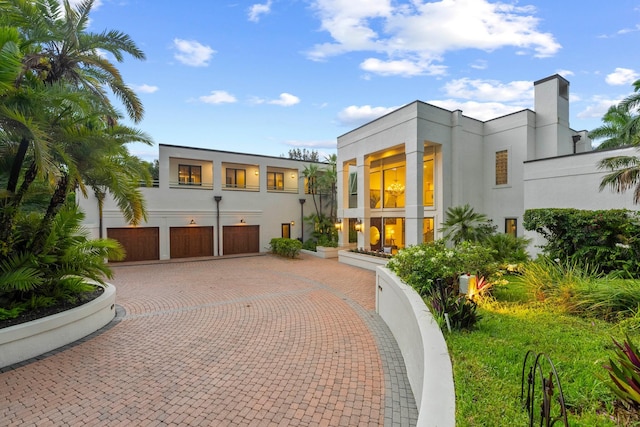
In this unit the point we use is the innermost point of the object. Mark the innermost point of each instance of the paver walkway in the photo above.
(224, 342)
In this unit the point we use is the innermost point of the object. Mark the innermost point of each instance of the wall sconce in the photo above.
(338, 224)
(293, 223)
(193, 222)
(242, 221)
(257, 172)
(359, 226)
(293, 175)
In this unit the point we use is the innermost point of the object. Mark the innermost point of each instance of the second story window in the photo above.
(502, 167)
(236, 178)
(189, 175)
(275, 181)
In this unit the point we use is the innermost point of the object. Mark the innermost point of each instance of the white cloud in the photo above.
(218, 97)
(145, 88)
(331, 144)
(75, 3)
(599, 106)
(355, 116)
(193, 53)
(621, 76)
(490, 90)
(286, 100)
(405, 67)
(258, 9)
(420, 33)
(478, 110)
(565, 73)
(480, 64)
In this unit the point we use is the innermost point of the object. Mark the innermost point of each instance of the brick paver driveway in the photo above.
(220, 342)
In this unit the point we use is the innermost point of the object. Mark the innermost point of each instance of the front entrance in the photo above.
(189, 242)
(240, 239)
(286, 231)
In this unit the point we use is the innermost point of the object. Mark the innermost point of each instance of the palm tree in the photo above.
(464, 224)
(620, 128)
(624, 170)
(624, 176)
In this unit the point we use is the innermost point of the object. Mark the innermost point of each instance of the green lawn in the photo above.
(487, 362)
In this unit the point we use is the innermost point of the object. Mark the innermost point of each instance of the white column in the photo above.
(364, 208)
(414, 208)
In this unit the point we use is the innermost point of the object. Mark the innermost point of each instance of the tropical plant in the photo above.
(62, 270)
(507, 248)
(462, 223)
(625, 374)
(620, 128)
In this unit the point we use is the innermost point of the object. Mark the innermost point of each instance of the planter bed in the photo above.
(26, 340)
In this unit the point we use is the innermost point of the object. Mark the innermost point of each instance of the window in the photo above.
(502, 169)
(189, 175)
(275, 181)
(428, 234)
(511, 226)
(353, 190)
(393, 182)
(427, 183)
(236, 178)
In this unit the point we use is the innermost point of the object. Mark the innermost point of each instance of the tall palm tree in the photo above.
(624, 170)
(620, 127)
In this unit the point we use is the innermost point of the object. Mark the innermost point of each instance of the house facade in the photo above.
(210, 203)
(401, 172)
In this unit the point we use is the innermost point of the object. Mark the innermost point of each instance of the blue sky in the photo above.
(270, 75)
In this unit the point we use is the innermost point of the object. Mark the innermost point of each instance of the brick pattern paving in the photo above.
(259, 341)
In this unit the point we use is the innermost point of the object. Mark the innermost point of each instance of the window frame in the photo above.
(234, 184)
(277, 185)
(190, 175)
(514, 226)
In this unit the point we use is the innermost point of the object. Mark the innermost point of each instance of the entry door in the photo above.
(286, 230)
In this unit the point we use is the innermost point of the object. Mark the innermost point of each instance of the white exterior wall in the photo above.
(172, 205)
(464, 164)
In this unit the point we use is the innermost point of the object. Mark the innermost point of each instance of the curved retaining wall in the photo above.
(423, 349)
(31, 339)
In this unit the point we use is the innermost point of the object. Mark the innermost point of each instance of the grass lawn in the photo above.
(487, 362)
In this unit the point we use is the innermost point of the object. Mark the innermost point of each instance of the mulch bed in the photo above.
(28, 316)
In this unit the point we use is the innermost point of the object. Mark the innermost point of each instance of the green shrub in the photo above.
(285, 247)
(507, 248)
(447, 305)
(609, 239)
(310, 245)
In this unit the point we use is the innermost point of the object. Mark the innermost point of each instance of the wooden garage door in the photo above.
(188, 242)
(140, 243)
(241, 239)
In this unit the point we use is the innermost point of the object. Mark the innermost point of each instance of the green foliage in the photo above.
(458, 310)
(609, 239)
(11, 313)
(508, 249)
(625, 374)
(310, 245)
(62, 270)
(285, 247)
(462, 223)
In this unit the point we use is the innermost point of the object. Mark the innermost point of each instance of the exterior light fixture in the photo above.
(242, 221)
(293, 223)
(193, 222)
(338, 224)
(293, 175)
(359, 226)
(257, 172)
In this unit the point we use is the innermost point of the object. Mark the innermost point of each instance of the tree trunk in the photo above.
(57, 200)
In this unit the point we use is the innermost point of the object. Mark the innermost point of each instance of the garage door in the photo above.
(241, 239)
(140, 243)
(188, 242)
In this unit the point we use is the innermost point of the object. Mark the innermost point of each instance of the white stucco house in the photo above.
(399, 174)
(210, 203)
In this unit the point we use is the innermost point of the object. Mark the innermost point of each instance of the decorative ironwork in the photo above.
(548, 385)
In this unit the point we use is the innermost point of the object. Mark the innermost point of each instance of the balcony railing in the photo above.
(272, 189)
(155, 183)
(237, 187)
(195, 185)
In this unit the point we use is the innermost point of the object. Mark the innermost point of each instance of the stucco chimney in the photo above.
(553, 136)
